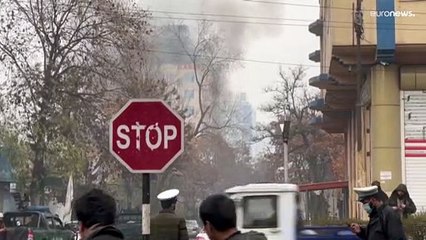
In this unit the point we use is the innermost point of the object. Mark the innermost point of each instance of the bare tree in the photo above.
(210, 62)
(314, 155)
(308, 154)
(59, 78)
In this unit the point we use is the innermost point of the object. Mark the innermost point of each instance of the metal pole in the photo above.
(285, 138)
(146, 206)
(359, 32)
(285, 160)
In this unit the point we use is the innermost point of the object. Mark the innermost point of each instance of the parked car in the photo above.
(35, 225)
(130, 224)
(192, 227)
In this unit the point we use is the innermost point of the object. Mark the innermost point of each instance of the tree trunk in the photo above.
(38, 174)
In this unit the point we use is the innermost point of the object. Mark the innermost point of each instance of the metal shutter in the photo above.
(415, 146)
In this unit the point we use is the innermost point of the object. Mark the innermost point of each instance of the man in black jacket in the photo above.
(384, 224)
(96, 212)
(220, 220)
(401, 201)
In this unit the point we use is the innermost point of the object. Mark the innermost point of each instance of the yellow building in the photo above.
(383, 117)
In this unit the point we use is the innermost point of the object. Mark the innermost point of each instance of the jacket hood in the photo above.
(252, 235)
(401, 187)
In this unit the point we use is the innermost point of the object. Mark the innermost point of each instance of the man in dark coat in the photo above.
(217, 212)
(96, 212)
(401, 202)
(384, 224)
(384, 197)
(167, 225)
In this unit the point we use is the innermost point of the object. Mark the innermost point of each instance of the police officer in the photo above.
(167, 225)
(384, 223)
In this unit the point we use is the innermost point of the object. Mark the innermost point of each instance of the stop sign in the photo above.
(146, 136)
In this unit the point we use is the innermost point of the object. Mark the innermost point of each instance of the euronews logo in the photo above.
(392, 14)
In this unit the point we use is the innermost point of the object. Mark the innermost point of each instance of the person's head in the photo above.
(218, 214)
(400, 193)
(369, 197)
(168, 199)
(94, 208)
(169, 204)
(371, 202)
(376, 183)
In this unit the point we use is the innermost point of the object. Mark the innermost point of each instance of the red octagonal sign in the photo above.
(146, 136)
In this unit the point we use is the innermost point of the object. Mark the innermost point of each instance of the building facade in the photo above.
(381, 109)
(7, 186)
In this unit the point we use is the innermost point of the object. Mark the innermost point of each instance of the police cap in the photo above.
(366, 192)
(168, 195)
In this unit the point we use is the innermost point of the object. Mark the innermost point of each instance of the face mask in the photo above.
(367, 208)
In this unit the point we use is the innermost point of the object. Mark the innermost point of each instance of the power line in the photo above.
(267, 18)
(314, 6)
(231, 58)
(280, 24)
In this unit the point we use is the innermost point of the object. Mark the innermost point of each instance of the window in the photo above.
(260, 212)
(189, 78)
(190, 111)
(58, 223)
(50, 222)
(21, 219)
(189, 94)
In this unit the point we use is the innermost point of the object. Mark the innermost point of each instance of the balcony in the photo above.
(315, 56)
(327, 81)
(317, 105)
(322, 81)
(316, 27)
(329, 125)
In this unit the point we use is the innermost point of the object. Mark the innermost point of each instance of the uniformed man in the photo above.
(384, 223)
(167, 225)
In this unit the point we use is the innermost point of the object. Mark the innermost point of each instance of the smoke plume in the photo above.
(237, 35)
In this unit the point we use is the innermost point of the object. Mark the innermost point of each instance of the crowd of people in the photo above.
(96, 212)
(385, 213)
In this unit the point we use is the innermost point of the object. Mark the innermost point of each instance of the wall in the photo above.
(411, 30)
(342, 22)
(386, 126)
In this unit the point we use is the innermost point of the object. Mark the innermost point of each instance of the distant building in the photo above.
(245, 116)
(244, 120)
(7, 185)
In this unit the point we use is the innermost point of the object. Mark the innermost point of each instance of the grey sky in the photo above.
(263, 42)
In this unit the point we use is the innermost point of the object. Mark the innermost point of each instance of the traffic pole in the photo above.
(146, 210)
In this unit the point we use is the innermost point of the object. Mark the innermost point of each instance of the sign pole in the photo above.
(146, 215)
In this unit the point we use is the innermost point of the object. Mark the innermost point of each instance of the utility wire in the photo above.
(230, 58)
(266, 18)
(318, 6)
(280, 24)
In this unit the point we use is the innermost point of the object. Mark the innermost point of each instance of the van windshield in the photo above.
(260, 212)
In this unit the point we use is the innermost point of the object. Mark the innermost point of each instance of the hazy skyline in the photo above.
(268, 42)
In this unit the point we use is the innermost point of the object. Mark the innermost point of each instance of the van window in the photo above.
(260, 212)
(26, 219)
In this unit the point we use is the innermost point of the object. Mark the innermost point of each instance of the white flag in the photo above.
(68, 200)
